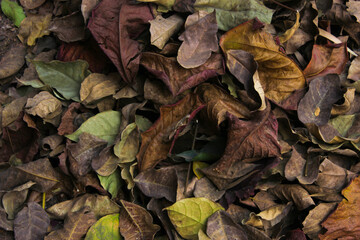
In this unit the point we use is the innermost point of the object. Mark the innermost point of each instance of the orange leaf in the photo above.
(344, 223)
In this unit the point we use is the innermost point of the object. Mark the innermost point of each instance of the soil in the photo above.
(8, 34)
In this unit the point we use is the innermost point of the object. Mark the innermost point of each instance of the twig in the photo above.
(190, 165)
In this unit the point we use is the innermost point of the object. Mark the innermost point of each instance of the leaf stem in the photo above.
(190, 164)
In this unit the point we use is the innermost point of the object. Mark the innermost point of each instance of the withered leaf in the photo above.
(99, 205)
(279, 75)
(155, 143)
(199, 41)
(87, 6)
(220, 225)
(34, 26)
(316, 105)
(157, 206)
(127, 148)
(259, 134)
(31, 4)
(161, 29)
(136, 222)
(12, 61)
(31, 222)
(46, 106)
(5, 223)
(97, 86)
(69, 28)
(158, 183)
(115, 25)
(67, 120)
(82, 153)
(219, 104)
(326, 60)
(295, 193)
(264, 200)
(76, 225)
(317, 215)
(345, 221)
(12, 111)
(177, 78)
(105, 163)
(204, 188)
(354, 70)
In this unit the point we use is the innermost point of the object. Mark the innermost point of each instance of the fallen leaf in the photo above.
(220, 225)
(128, 172)
(354, 70)
(97, 86)
(31, 222)
(106, 227)
(353, 8)
(298, 39)
(326, 60)
(259, 134)
(316, 105)
(235, 12)
(317, 215)
(279, 75)
(87, 6)
(111, 183)
(158, 183)
(157, 206)
(127, 148)
(45, 106)
(264, 200)
(199, 41)
(343, 108)
(105, 163)
(161, 29)
(33, 27)
(31, 4)
(290, 32)
(12, 111)
(82, 153)
(99, 205)
(294, 193)
(12, 61)
(271, 216)
(116, 32)
(13, 11)
(177, 78)
(76, 225)
(219, 104)
(190, 215)
(13, 200)
(104, 125)
(155, 143)
(69, 28)
(204, 188)
(136, 222)
(344, 222)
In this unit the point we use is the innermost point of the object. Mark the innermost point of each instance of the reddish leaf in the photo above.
(88, 51)
(345, 221)
(248, 141)
(325, 60)
(177, 78)
(115, 25)
(67, 120)
(155, 142)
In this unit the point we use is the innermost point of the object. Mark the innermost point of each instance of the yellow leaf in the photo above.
(33, 27)
(288, 34)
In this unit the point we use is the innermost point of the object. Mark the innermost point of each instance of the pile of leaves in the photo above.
(179, 119)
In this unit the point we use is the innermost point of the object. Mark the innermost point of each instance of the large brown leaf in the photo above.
(247, 141)
(115, 25)
(316, 105)
(279, 75)
(12, 61)
(31, 222)
(326, 60)
(69, 28)
(76, 225)
(136, 222)
(199, 40)
(345, 221)
(177, 78)
(155, 143)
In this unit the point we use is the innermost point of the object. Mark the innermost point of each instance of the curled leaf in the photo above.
(161, 29)
(33, 27)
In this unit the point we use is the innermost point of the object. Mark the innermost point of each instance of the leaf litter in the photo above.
(169, 119)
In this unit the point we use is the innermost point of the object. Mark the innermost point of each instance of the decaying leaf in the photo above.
(199, 41)
(279, 75)
(344, 222)
(105, 163)
(31, 4)
(220, 225)
(31, 222)
(127, 148)
(76, 225)
(12, 61)
(161, 29)
(69, 28)
(136, 222)
(191, 214)
(34, 27)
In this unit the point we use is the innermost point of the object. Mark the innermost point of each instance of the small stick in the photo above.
(192, 148)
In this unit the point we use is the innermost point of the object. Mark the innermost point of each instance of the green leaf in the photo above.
(128, 146)
(232, 13)
(13, 11)
(65, 77)
(111, 183)
(106, 228)
(142, 123)
(189, 215)
(104, 125)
